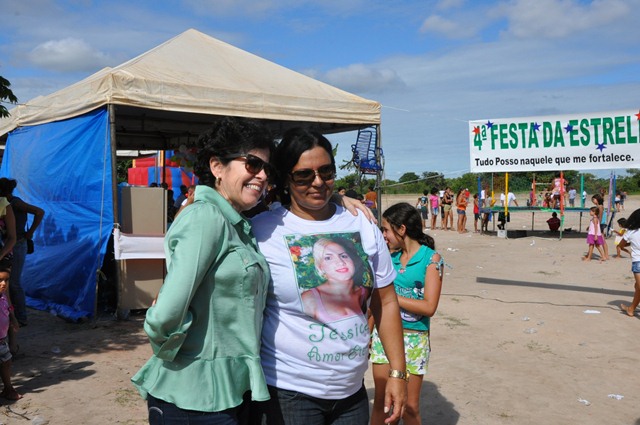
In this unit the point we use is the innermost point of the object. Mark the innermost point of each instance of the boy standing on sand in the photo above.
(7, 319)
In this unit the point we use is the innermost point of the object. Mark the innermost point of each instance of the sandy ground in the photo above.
(526, 333)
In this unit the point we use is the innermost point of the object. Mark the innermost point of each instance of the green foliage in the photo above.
(467, 180)
(433, 179)
(361, 185)
(408, 177)
(6, 95)
(122, 170)
(629, 183)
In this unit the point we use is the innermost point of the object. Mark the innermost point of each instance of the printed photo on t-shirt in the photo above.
(333, 275)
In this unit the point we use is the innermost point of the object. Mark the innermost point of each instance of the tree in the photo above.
(6, 95)
(467, 180)
(347, 181)
(408, 177)
(433, 179)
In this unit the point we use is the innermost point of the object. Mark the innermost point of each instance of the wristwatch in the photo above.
(401, 374)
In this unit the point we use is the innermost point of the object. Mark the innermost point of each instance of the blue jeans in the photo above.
(15, 288)
(164, 413)
(294, 408)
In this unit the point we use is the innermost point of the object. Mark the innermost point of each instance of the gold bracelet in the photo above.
(401, 374)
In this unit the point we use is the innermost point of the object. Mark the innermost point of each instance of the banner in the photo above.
(607, 140)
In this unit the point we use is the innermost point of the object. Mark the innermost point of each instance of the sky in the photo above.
(432, 64)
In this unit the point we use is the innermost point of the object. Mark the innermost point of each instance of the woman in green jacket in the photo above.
(205, 326)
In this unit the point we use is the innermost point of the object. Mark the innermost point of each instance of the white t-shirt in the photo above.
(633, 237)
(316, 352)
(510, 196)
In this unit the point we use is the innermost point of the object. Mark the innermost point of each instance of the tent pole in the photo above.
(561, 203)
(114, 194)
(379, 173)
(506, 199)
(114, 158)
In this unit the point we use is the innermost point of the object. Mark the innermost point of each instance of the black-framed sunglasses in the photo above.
(306, 176)
(254, 164)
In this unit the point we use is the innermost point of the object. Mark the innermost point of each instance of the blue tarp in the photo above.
(64, 168)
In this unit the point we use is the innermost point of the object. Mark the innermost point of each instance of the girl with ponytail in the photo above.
(418, 285)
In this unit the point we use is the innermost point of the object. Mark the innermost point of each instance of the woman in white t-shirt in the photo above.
(632, 238)
(314, 363)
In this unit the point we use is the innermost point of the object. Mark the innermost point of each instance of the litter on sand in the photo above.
(616, 396)
(585, 402)
(591, 312)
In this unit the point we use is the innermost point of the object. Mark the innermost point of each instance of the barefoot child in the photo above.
(622, 223)
(476, 212)
(418, 285)
(632, 238)
(598, 201)
(7, 319)
(594, 235)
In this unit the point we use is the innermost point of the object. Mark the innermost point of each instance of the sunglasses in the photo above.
(306, 176)
(254, 164)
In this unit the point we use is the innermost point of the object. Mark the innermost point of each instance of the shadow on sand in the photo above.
(556, 286)
(434, 407)
(51, 348)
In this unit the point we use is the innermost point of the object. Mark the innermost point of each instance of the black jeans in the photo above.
(294, 408)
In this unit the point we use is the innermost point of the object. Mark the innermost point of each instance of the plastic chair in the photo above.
(365, 151)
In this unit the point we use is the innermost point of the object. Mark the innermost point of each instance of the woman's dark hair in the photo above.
(434, 190)
(229, 136)
(404, 213)
(7, 186)
(633, 222)
(5, 264)
(598, 198)
(622, 222)
(295, 142)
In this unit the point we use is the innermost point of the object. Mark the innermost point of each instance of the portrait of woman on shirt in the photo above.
(205, 326)
(345, 281)
(314, 366)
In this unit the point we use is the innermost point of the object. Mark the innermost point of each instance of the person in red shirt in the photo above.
(554, 222)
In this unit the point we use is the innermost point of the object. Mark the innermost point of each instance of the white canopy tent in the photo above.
(172, 91)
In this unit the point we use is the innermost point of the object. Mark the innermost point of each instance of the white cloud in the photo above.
(363, 79)
(447, 27)
(560, 18)
(68, 54)
(247, 8)
(449, 4)
(262, 8)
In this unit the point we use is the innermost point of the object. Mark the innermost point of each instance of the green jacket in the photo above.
(205, 326)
